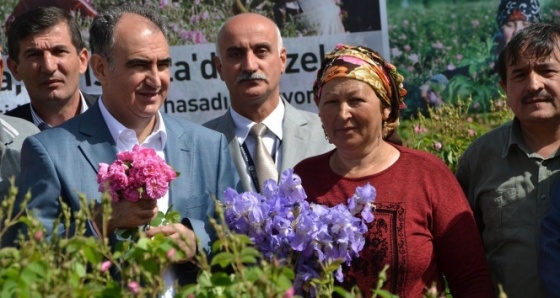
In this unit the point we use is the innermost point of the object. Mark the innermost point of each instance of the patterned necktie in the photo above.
(266, 169)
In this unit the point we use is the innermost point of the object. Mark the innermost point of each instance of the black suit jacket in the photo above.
(24, 111)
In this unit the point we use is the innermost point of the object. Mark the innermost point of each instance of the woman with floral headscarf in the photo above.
(423, 227)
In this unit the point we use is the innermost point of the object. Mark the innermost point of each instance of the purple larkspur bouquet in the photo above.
(139, 174)
(284, 226)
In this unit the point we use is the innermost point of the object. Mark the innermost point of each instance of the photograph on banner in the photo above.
(309, 28)
(447, 50)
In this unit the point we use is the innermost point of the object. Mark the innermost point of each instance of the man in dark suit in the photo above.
(47, 53)
(131, 60)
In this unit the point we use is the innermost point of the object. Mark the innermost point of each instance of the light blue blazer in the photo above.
(63, 161)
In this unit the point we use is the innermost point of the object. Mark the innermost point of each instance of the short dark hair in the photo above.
(102, 31)
(533, 42)
(38, 20)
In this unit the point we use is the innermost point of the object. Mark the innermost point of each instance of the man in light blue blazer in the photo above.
(132, 62)
(250, 60)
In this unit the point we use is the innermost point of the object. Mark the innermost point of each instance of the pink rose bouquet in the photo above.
(135, 175)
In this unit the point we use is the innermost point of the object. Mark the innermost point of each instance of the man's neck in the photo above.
(543, 140)
(258, 112)
(55, 113)
(144, 130)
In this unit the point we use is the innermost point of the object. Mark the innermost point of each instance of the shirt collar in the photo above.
(125, 138)
(273, 122)
(515, 138)
(37, 120)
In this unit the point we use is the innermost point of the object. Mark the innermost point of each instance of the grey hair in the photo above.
(278, 37)
(102, 31)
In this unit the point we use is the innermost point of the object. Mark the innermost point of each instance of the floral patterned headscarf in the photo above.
(518, 10)
(366, 65)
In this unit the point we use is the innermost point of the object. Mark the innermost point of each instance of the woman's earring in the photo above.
(384, 123)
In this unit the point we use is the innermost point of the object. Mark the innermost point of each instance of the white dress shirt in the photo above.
(126, 138)
(272, 139)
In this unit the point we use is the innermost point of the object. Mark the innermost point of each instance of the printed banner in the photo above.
(197, 93)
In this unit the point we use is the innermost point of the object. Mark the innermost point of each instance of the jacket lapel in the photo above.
(95, 142)
(227, 127)
(178, 154)
(294, 144)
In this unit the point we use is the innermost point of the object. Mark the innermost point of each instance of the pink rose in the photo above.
(134, 287)
(171, 254)
(105, 266)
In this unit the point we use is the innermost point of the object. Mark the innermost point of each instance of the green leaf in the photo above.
(92, 255)
(204, 279)
(342, 292)
(79, 269)
(157, 220)
(249, 260)
(288, 272)
(333, 266)
(143, 243)
(220, 279)
(285, 282)
(223, 259)
(244, 239)
(250, 251)
(73, 246)
(33, 273)
(112, 289)
(217, 245)
(249, 255)
(253, 273)
(172, 216)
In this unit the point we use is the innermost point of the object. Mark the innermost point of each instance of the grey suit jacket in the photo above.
(12, 133)
(303, 137)
(63, 161)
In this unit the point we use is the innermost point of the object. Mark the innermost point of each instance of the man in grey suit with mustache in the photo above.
(250, 60)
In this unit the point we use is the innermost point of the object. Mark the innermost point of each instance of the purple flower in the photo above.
(284, 226)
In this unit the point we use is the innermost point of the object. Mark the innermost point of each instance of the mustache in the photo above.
(540, 95)
(245, 76)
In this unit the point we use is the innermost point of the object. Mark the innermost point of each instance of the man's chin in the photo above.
(254, 92)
